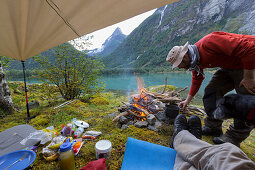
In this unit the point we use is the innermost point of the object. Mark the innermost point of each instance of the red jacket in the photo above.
(224, 50)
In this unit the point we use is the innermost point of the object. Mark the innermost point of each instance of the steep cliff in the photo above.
(174, 24)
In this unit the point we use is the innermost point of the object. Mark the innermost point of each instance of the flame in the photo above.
(139, 112)
(140, 100)
(140, 83)
(138, 106)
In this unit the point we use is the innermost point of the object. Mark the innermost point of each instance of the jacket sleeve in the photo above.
(248, 56)
(196, 82)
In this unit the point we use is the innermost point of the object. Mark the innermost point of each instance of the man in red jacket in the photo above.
(234, 54)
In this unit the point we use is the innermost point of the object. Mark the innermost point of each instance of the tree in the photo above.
(6, 103)
(72, 71)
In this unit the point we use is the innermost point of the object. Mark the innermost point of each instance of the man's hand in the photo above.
(249, 81)
(182, 105)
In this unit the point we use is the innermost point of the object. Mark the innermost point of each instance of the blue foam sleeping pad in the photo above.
(141, 155)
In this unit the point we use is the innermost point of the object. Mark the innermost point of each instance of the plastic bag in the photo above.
(91, 135)
(55, 141)
(40, 135)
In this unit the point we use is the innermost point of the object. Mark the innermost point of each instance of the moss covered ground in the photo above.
(95, 112)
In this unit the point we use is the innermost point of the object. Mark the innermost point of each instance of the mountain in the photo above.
(110, 44)
(31, 64)
(186, 20)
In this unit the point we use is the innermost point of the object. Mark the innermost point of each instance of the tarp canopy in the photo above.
(29, 27)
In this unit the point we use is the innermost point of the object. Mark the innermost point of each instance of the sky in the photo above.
(126, 27)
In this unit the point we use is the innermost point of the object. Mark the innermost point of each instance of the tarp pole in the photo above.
(23, 65)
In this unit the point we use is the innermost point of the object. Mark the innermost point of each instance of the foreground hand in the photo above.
(182, 105)
(249, 84)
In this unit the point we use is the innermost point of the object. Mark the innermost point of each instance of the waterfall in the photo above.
(162, 14)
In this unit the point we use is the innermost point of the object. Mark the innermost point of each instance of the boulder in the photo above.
(123, 127)
(112, 115)
(33, 104)
(123, 120)
(153, 128)
(130, 123)
(162, 116)
(141, 124)
(151, 119)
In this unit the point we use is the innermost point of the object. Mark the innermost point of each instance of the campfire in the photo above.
(150, 109)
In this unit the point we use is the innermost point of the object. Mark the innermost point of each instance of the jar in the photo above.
(66, 156)
(69, 129)
(103, 149)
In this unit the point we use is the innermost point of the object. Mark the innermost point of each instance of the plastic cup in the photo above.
(103, 149)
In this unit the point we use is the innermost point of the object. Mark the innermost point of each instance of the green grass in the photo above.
(98, 119)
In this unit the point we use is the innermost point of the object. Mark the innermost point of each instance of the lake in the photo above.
(127, 82)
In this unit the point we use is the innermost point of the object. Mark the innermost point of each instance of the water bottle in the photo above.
(73, 125)
(66, 156)
(78, 132)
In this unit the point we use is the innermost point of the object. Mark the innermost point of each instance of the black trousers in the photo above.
(222, 82)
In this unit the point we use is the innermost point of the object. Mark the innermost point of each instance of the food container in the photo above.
(103, 149)
(66, 157)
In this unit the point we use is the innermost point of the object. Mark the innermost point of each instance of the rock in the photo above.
(213, 9)
(153, 128)
(123, 127)
(151, 119)
(141, 124)
(33, 104)
(130, 123)
(162, 116)
(113, 115)
(123, 120)
(157, 124)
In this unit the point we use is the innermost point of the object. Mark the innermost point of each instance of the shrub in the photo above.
(72, 71)
(99, 101)
(40, 120)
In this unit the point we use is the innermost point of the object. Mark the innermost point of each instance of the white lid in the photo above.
(103, 146)
(81, 123)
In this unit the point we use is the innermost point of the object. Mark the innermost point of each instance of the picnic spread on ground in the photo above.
(20, 145)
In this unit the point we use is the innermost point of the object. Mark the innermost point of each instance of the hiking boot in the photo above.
(226, 138)
(180, 123)
(207, 131)
(195, 127)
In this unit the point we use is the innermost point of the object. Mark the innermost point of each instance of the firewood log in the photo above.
(194, 108)
(138, 108)
(164, 90)
(129, 111)
(170, 100)
(181, 90)
(127, 104)
(143, 110)
(118, 116)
